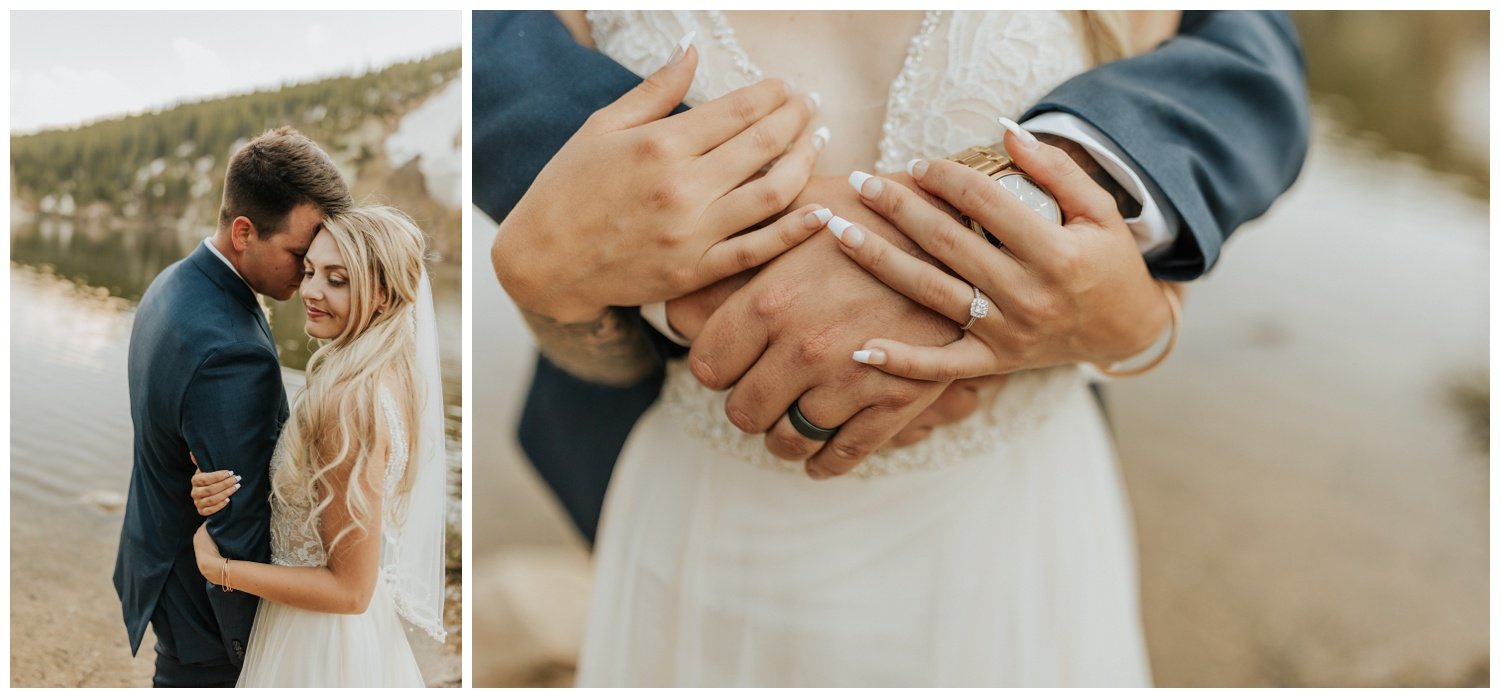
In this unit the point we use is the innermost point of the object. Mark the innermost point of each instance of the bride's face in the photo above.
(325, 288)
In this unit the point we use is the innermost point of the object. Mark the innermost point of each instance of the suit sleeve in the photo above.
(230, 420)
(534, 86)
(1216, 117)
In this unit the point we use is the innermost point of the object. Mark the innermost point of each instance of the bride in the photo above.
(357, 481)
(998, 551)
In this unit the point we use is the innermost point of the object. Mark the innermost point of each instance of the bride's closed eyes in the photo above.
(335, 280)
(325, 288)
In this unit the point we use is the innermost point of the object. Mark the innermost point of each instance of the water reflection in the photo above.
(74, 286)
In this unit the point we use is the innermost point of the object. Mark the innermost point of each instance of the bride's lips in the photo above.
(315, 314)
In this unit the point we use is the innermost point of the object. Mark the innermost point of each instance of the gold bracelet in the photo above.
(1175, 308)
(224, 578)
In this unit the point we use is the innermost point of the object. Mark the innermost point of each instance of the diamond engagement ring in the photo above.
(978, 308)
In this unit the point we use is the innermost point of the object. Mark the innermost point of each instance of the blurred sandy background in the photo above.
(1309, 472)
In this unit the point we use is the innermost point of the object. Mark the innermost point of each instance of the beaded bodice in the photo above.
(296, 540)
(961, 70)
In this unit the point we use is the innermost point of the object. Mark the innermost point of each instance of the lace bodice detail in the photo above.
(296, 540)
(962, 69)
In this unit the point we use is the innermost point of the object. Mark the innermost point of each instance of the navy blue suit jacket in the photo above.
(204, 378)
(1216, 118)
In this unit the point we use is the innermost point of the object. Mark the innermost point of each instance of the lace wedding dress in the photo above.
(292, 647)
(997, 552)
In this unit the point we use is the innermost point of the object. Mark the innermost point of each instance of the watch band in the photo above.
(983, 158)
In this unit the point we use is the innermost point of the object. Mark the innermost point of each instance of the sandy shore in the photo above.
(1310, 507)
(66, 628)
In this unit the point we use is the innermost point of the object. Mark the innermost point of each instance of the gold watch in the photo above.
(993, 162)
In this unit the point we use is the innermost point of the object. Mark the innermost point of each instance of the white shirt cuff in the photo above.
(1156, 227)
(655, 314)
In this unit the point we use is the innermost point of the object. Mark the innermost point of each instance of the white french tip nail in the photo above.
(838, 226)
(821, 137)
(870, 356)
(861, 181)
(1022, 134)
(680, 50)
(817, 99)
(824, 215)
(857, 179)
(910, 164)
(847, 233)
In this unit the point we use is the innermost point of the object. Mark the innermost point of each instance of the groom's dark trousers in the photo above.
(205, 380)
(1216, 117)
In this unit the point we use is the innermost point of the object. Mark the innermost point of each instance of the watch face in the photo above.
(1033, 195)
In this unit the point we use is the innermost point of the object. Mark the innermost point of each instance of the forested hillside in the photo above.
(169, 165)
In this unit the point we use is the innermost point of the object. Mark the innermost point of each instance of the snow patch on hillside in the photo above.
(431, 132)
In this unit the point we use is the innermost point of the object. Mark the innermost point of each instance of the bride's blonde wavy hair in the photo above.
(1106, 33)
(333, 425)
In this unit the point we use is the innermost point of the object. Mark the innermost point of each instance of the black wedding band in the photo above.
(806, 428)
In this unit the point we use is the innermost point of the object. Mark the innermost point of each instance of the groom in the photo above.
(205, 382)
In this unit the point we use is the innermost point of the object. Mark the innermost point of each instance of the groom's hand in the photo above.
(788, 333)
(961, 399)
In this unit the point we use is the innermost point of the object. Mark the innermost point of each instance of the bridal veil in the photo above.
(412, 561)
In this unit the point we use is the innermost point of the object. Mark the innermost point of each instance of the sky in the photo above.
(68, 68)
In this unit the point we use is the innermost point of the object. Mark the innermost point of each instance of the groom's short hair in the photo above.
(273, 174)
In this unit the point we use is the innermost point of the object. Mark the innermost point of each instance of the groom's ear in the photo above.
(240, 232)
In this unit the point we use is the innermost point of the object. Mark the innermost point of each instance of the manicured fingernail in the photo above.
(231, 472)
(874, 357)
(815, 100)
(1028, 141)
(867, 185)
(237, 478)
(837, 226)
(821, 137)
(847, 233)
(236, 486)
(916, 167)
(818, 218)
(681, 49)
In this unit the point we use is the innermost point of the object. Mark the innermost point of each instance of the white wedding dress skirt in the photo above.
(1011, 567)
(293, 648)
(998, 552)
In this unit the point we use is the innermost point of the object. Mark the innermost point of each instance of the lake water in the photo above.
(73, 292)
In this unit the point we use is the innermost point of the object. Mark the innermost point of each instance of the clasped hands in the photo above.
(777, 313)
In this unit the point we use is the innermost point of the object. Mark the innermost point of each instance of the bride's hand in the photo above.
(211, 490)
(210, 562)
(639, 206)
(1079, 292)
